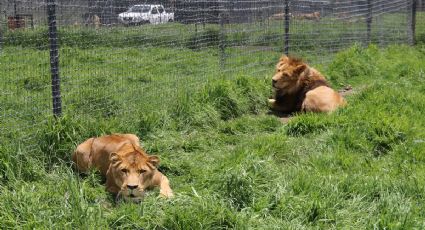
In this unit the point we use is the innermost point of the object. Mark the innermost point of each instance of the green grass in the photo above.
(420, 27)
(230, 164)
(329, 34)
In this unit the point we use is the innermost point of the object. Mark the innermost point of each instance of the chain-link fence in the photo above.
(93, 59)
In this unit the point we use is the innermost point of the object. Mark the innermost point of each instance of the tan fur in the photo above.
(311, 16)
(129, 171)
(76, 24)
(96, 21)
(15, 22)
(280, 16)
(299, 87)
(322, 99)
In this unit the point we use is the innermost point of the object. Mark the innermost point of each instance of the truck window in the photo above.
(139, 9)
(161, 9)
(154, 11)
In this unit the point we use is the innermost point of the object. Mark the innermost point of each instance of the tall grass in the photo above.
(327, 34)
(230, 163)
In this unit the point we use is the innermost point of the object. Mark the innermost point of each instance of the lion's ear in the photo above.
(114, 158)
(284, 58)
(154, 160)
(299, 69)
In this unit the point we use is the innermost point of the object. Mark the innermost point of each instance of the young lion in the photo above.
(129, 171)
(299, 87)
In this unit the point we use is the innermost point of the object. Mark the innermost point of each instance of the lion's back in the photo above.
(322, 99)
(95, 151)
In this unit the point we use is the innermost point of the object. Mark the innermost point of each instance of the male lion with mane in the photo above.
(129, 171)
(299, 87)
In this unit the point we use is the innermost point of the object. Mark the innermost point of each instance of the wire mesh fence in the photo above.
(99, 59)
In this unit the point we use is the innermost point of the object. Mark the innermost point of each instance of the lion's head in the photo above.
(132, 171)
(287, 73)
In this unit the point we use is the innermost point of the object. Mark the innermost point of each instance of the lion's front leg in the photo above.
(81, 156)
(285, 107)
(164, 186)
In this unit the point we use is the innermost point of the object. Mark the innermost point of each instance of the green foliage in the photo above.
(384, 137)
(225, 100)
(238, 187)
(59, 138)
(355, 63)
(307, 124)
(249, 124)
(33, 84)
(37, 39)
(15, 164)
(195, 37)
(231, 164)
(209, 37)
(188, 113)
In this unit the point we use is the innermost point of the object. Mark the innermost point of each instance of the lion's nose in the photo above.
(273, 81)
(132, 186)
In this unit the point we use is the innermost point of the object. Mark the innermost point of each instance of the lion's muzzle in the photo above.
(135, 194)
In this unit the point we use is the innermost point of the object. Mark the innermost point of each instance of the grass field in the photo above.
(230, 163)
(327, 34)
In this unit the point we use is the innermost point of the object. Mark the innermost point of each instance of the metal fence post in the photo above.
(2, 24)
(369, 21)
(380, 25)
(412, 23)
(222, 42)
(54, 58)
(1, 38)
(287, 18)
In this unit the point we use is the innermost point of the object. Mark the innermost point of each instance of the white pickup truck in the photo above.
(140, 14)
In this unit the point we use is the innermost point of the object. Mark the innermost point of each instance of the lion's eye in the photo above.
(140, 171)
(124, 170)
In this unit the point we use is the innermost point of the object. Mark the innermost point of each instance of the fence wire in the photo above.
(123, 57)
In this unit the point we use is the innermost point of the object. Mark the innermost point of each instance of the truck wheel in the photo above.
(170, 20)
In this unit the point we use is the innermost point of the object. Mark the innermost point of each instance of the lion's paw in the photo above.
(166, 195)
(271, 102)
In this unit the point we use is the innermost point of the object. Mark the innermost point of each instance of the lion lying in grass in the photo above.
(129, 171)
(308, 16)
(299, 87)
(311, 16)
